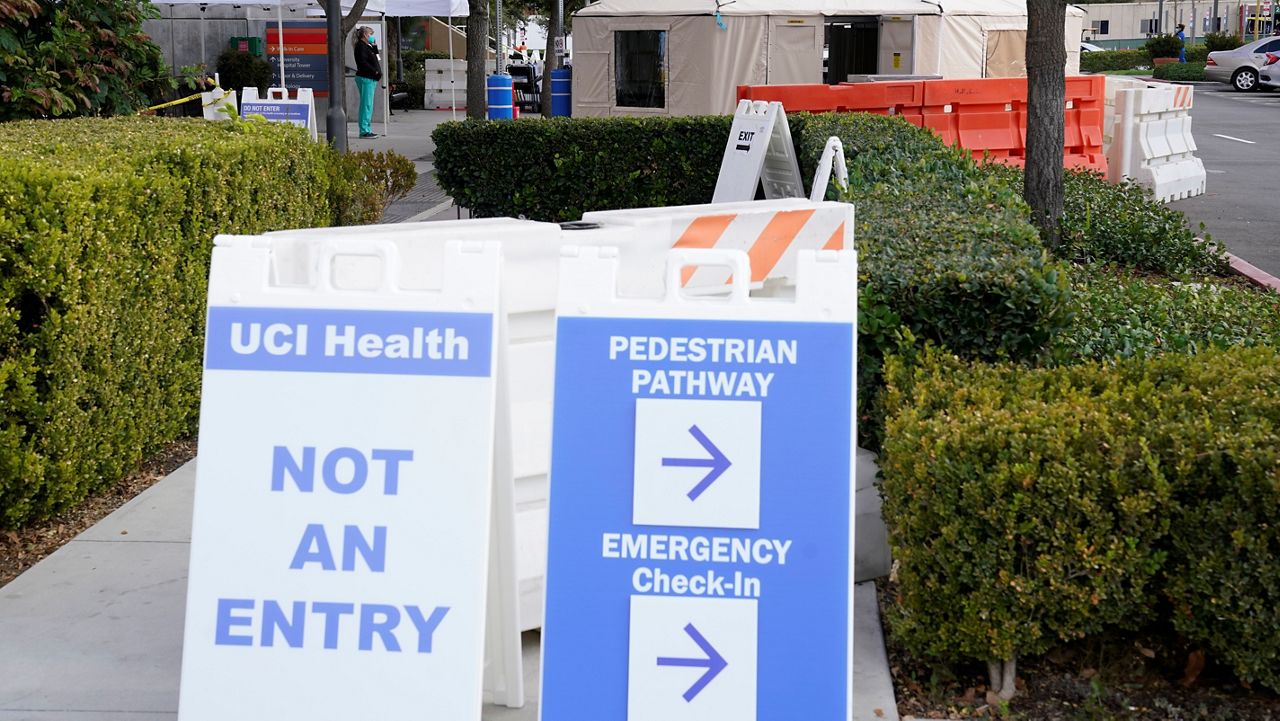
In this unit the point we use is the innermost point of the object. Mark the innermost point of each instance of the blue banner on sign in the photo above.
(308, 340)
(296, 113)
(699, 551)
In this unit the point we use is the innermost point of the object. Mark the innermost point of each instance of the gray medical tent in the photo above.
(675, 57)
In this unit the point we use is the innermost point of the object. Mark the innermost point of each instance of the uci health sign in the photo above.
(340, 541)
(700, 562)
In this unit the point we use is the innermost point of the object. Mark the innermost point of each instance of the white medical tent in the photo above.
(679, 57)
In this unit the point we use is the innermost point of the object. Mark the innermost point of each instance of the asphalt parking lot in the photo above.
(1238, 135)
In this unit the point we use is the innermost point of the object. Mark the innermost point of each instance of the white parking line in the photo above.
(1238, 140)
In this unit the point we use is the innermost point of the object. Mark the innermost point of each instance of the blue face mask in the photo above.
(373, 40)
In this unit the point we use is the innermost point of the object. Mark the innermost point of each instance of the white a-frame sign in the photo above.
(759, 151)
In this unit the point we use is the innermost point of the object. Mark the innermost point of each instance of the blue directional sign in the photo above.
(699, 553)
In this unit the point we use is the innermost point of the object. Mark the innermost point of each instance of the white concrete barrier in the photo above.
(1152, 141)
(1114, 84)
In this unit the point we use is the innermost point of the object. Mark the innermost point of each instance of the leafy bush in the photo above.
(1119, 314)
(1162, 46)
(363, 184)
(1103, 60)
(1031, 506)
(107, 228)
(1123, 223)
(946, 252)
(1024, 507)
(1214, 42)
(1224, 574)
(556, 169)
(237, 70)
(77, 57)
(1197, 53)
(1183, 72)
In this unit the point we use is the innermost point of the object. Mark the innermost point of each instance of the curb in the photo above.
(1254, 274)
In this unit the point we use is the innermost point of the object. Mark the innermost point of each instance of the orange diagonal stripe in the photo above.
(774, 241)
(703, 232)
(836, 242)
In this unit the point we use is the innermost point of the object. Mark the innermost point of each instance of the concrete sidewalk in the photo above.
(94, 631)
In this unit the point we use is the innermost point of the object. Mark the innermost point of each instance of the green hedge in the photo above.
(556, 169)
(1026, 507)
(1121, 314)
(1123, 223)
(1100, 61)
(1184, 72)
(105, 235)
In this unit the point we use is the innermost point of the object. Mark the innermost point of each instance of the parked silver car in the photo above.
(1240, 67)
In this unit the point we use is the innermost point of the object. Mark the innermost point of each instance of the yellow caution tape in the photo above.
(180, 101)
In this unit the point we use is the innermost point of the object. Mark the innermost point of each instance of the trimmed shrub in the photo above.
(1031, 506)
(1023, 507)
(1197, 54)
(106, 227)
(1119, 314)
(1100, 61)
(1162, 46)
(363, 184)
(237, 70)
(556, 169)
(1180, 72)
(1124, 224)
(1214, 42)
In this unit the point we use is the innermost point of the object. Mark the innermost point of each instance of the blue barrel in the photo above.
(562, 92)
(501, 97)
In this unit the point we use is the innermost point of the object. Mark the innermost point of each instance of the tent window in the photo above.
(639, 62)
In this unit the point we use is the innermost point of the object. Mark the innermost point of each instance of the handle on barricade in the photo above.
(737, 261)
(380, 249)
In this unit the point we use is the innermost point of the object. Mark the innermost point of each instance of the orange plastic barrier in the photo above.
(986, 116)
(889, 98)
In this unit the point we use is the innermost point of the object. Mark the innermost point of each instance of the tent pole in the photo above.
(280, 44)
(453, 85)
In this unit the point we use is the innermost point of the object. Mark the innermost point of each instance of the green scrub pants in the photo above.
(366, 87)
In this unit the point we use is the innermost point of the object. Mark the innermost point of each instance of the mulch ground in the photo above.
(21, 549)
(1143, 676)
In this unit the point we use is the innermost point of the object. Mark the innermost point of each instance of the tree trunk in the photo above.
(477, 58)
(552, 57)
(1046, 104)
(1003, 678)
(353, 18)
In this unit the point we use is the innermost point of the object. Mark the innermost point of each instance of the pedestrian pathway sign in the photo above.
(700, 556)
(340, 542)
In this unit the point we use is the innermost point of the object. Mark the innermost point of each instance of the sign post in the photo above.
(701, 523)
(339, 547)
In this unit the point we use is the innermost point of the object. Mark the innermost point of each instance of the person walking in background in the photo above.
(1182, 36)
(368, 73)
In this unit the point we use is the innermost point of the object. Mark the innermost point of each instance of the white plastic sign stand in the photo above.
(832, 159)
(340, 544)
(218, 104)
(280, 108)
(759, 151)
(701, 528)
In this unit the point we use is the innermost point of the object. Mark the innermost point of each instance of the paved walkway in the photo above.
(94, 631)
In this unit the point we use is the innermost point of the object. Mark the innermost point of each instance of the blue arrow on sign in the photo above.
(714, 662)
(718, 463)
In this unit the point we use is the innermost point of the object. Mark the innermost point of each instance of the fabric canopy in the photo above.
(605, 8)
(435, 8)
(394, 8)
